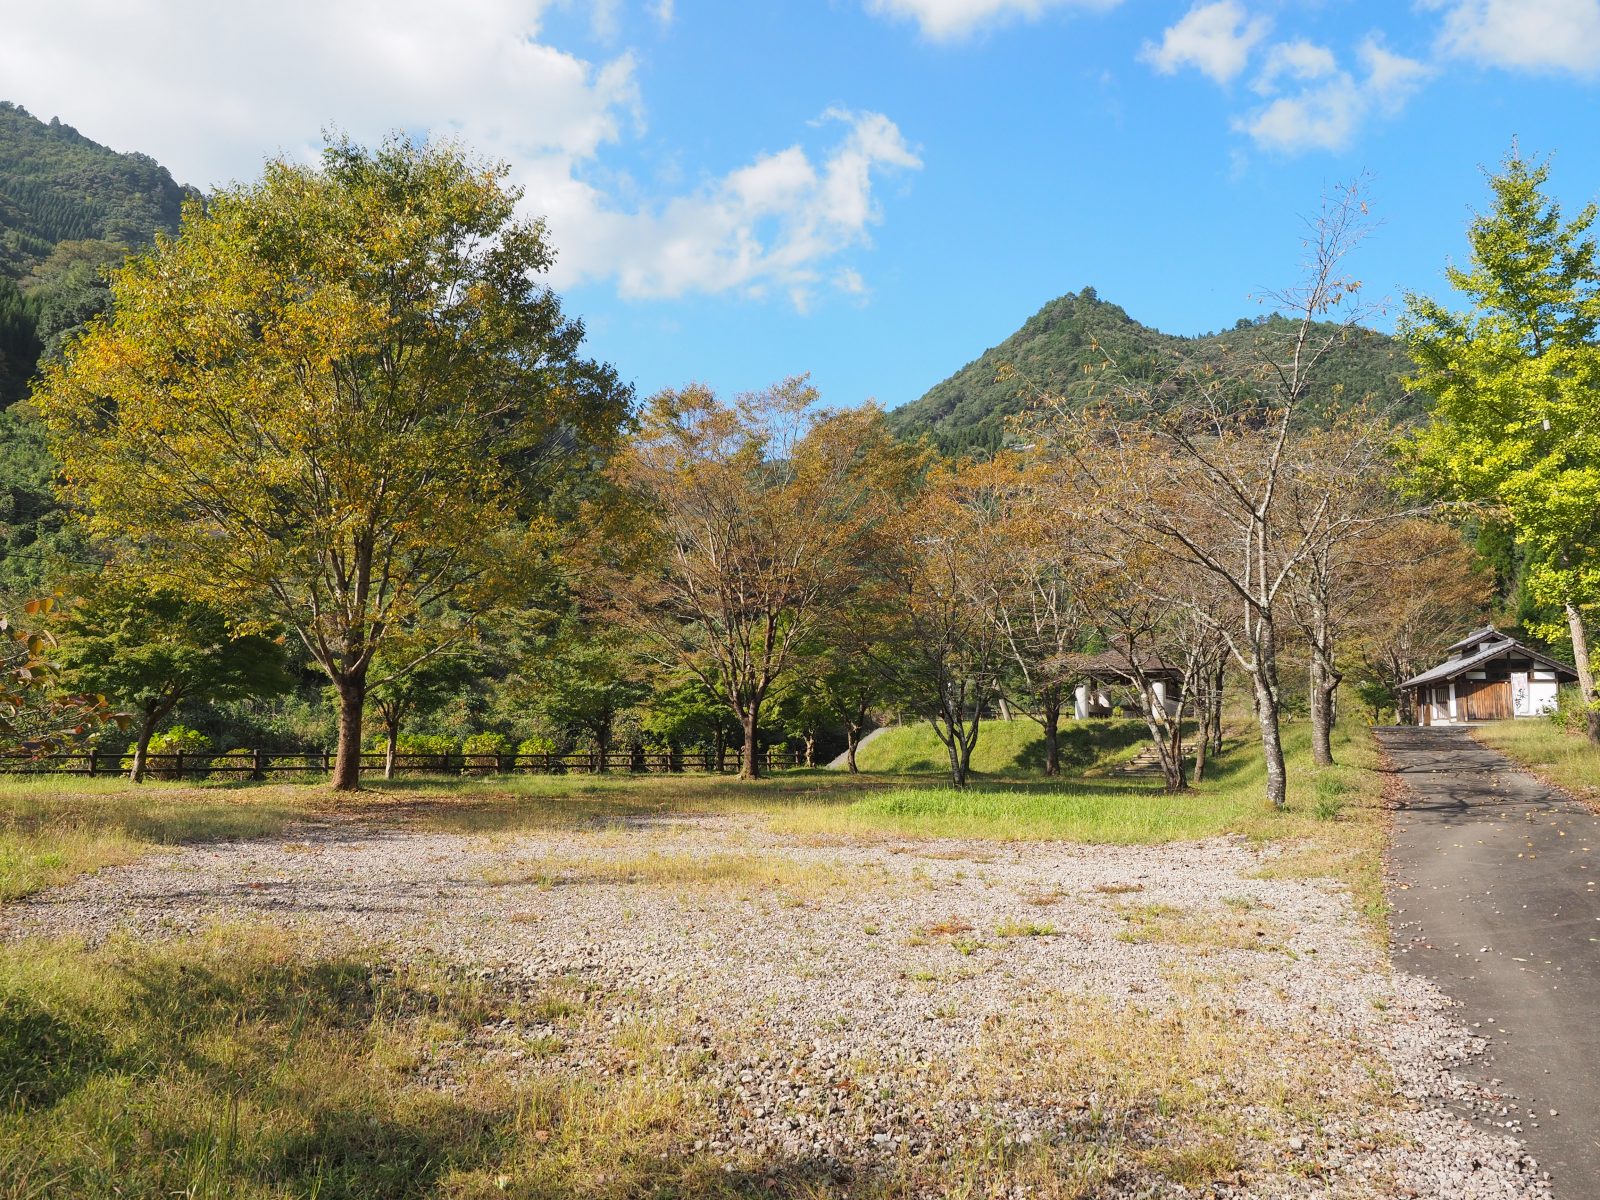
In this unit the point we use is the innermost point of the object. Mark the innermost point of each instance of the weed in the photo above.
(1025, 929)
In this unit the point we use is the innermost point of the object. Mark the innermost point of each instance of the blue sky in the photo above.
(871, 190)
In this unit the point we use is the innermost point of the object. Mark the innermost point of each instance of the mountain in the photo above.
(1065, 347)
(58, 186)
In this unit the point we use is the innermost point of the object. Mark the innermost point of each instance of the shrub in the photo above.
(1571, 712)
(169, 741)
(435, 751)
(233, 764)
(483, 744)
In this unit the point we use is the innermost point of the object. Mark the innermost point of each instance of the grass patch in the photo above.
(52, 831)
(1008, 749)
(1202, 932)
(733, 871)
(1560, 757)
(1195, 1092)
(236, 1065)
(1333, 824)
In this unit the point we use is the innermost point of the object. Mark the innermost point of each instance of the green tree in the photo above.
(1514, 425)
(153, 649)
(406, 688)
(339, 400)
(580, 677)
(756, 524)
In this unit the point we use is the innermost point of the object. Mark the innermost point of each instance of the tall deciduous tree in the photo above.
(944, 652)
(755, 524)
(151, 650)
(338, 398)
(1513, 380)
(1204, 468)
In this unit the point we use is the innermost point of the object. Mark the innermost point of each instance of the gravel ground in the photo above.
(844, 1001)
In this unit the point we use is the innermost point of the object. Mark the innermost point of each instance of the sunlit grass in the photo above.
(1565, 759)
(1009, 749)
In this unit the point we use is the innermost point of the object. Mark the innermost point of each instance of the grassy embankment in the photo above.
(1556, 755)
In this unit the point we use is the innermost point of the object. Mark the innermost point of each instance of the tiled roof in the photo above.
(1451, 668)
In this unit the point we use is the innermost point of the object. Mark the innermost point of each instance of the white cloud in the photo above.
(947, 20)
(1560, 35)
(1330, 103)
(211, 89)
(774, 223)
(1299, 60)
(1216, 39)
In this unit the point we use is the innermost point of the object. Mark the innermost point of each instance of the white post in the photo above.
(1452, 699)
(1159, 688)
(1080, 702)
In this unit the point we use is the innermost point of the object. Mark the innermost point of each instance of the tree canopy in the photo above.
(338, 398)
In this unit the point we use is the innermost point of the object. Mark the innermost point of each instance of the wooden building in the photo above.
(1100, 674)
(1488, 677)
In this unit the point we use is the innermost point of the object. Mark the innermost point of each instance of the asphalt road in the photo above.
(1494, 881)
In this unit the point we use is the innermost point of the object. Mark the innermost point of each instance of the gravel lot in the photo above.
(846, 1001)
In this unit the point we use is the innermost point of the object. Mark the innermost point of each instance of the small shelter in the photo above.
(1488, 677)
(1098, 673)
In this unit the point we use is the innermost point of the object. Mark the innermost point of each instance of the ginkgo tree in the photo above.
(340, 400)
(1513, 378)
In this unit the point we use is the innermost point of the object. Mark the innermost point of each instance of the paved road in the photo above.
(1494, 879)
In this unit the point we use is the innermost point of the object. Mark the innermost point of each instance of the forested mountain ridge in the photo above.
(1073, 338)
(58, 186)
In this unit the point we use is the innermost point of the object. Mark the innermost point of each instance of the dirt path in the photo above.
(1495, 887)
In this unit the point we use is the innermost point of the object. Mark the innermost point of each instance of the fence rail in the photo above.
(260, 764)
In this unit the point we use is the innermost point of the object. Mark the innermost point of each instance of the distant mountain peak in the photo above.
(1078, 334)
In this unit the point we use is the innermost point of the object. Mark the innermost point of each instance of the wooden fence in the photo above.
(261, 764)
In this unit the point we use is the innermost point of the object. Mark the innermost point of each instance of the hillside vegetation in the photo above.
(1075, 343)
(58, 186)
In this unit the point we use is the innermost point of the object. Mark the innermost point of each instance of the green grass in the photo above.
(1562, 758)
(1332, 825)
(54, 830)
(51, 831)
(1010, 749)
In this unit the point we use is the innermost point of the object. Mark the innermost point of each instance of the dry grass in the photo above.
(745, 873)
(1556, 755)
(238, 1065)
(1204, 933)
(1195, 1092)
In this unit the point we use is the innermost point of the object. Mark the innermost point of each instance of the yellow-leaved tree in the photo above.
(340, 400)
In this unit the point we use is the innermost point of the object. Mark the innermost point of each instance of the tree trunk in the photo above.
(1321, 713)
(1203, 743)
(811, 749)
(1216, 707)
(959, 760)
(352, 702)
(141, 751)
(750, 768)
(1050, 714)
(602, 747)
(1580, 658)
(852, 738)
(391, 747)
(719, 745)
(1266, 701)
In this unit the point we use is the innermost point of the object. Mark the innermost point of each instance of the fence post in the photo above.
(327, 761)
(177, 772)
(93, 754)
(258, 765)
